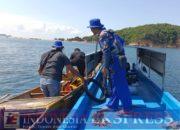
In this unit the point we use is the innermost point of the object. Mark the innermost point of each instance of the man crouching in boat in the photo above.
(51, 67)
(111, 63)
(78, 59)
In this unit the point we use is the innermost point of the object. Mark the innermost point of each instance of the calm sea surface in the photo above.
(19, 61)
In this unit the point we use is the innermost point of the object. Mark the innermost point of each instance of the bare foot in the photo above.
(105, 109)
(124, 113)
(99, 120)
(173, 125)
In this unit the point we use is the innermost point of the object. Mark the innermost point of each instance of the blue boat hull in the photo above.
(152, 109)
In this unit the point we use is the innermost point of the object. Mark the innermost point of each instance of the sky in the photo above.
(48, 19)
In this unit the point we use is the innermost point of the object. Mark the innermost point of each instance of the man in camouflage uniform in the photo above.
(112, 65)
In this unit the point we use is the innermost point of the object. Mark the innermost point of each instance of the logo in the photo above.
(11, 119)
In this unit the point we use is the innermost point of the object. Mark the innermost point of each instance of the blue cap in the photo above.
(95, 23)
(58, 44)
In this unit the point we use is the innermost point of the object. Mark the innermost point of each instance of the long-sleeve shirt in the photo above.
(106, 43)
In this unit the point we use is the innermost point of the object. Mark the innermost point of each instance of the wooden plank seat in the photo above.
(36, 95)
(30, 103)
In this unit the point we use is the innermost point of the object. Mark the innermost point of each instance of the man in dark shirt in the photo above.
(51, 67)
(78, 59)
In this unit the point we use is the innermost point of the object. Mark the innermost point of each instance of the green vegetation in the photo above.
(157, 34)
(162, 35)
(75, 39)
(84, 39)
(90, 38)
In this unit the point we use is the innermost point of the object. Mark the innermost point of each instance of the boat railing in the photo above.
(91, 61)
(154, 61)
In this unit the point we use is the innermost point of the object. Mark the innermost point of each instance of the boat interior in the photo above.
(35, 99)
(152, 107)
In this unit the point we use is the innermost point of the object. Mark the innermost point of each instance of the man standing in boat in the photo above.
(112, 64)
(51, 67)
(78, 59)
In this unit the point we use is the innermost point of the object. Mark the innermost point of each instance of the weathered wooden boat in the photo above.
(153, 108)
(31, 110)
(27, 108)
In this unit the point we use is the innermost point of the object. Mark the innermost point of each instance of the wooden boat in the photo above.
(153, 108)
(31, 110)
(32, 103)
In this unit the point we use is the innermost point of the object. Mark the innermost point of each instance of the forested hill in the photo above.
(160, 35)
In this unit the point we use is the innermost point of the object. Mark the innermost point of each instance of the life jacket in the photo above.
(118, 43)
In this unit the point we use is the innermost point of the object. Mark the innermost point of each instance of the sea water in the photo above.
(19, 61)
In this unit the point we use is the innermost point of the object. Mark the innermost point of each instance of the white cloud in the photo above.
(22, 26)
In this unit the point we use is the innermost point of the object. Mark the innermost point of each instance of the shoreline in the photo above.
(129, 45)
(86, 42)
(153, 46)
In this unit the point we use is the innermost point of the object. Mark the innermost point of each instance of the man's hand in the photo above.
(40, 70)
(91, 75)
(104, 71)
(75, 72)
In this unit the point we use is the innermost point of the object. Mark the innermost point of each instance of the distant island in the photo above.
(5, 35)
(153, 35)
(10, 36)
